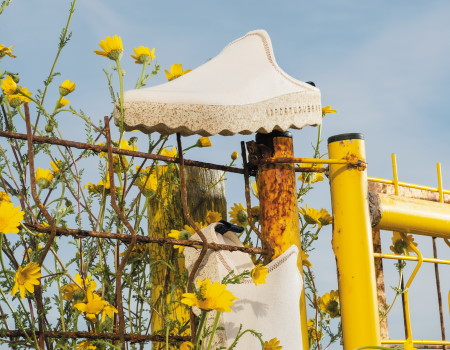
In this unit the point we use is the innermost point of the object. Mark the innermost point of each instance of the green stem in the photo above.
(140, 81)
(200, 330)
(121, 108)
(216, 323)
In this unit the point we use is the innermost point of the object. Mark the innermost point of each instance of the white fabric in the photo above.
(271, 308)
(244, 72)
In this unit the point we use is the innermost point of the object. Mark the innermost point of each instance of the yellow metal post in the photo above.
(278, 203)
(352, 243)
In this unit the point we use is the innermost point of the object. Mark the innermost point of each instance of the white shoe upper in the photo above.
(243, 82)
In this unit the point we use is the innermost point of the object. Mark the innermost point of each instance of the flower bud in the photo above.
(204, 142)
(234, 155)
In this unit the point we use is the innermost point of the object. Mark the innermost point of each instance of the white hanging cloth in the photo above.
(271, 309)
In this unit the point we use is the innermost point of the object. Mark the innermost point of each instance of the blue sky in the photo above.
(383, 65)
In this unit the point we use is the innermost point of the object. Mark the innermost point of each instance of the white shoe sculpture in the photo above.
(241, 90)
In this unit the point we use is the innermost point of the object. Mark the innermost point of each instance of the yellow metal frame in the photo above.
(352, 245)
(352, 240)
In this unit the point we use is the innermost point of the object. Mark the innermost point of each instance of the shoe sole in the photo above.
(295, 110)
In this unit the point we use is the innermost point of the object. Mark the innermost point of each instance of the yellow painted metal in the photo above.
(409, 336)
(440, 187)
(352, 245)
(414, 216)
(417, 342)
(395, 172)
(410, 258)
(406, 184)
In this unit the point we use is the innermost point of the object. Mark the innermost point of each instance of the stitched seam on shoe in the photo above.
(270, 58)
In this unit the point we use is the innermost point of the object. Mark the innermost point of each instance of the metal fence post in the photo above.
(352, 243)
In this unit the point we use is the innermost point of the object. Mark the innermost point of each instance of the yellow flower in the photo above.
(191, 230)
(402, 246)
(143, 54)
(259, 274)
(329, 303)
(44, 177)
(92, 307)
(112, 47)
(325, 218)
(56, 167)
(314, 333)
(176, 71)
(76, 291)
(103, 186)
(187, 345)
(168, 153)
(26, 278)
(63, 102)
(326, 110)
(126, 145)
(10, 217)
(204, 142)
(238, 215)
(4, 197)
(305, 261)
(109, 311)
(272, 344)
(86, 345)
(316, 217)
(255, 189)
(9, 86)
(234, 155)
(210, 296)
(311, 177)
(147, 184)
(67, 87)
(4, 50)
(17, 99)
(175, 234)
(213, 216)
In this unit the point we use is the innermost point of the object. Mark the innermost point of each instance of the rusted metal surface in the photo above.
(408, 192)
(78, 233)
(278, 197)
(381, 290)
(132, 338)
(100, 148)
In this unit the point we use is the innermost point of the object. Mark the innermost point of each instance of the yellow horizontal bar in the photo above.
(419, 342)
(310, 160)
(416, 216)
(407, 184)
(411, 258)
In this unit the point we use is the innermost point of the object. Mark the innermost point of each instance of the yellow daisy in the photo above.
(176, 71)
(44, 177)
(238, 215)
(210, 296)
(259, 274)
(26, 278)
(112, 47)
(56, 166)
(326, 110)
(21, 96)
(204, 142)
(272, 344)
(9, 86)
(402, 246)
(311, 177)
(109, 311)
(67, 87)
(329, 303)
(76, 291)
(315, 217)
(86, 345)
(175, 234)
(92, 307)
(10, 217)
(213, 216)
(4, 197)
(4, 50)
(234, 155)
(168, 153)
(187, 345)
(63, 102)
(305, 261)
(143, 54)
(314, 333)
